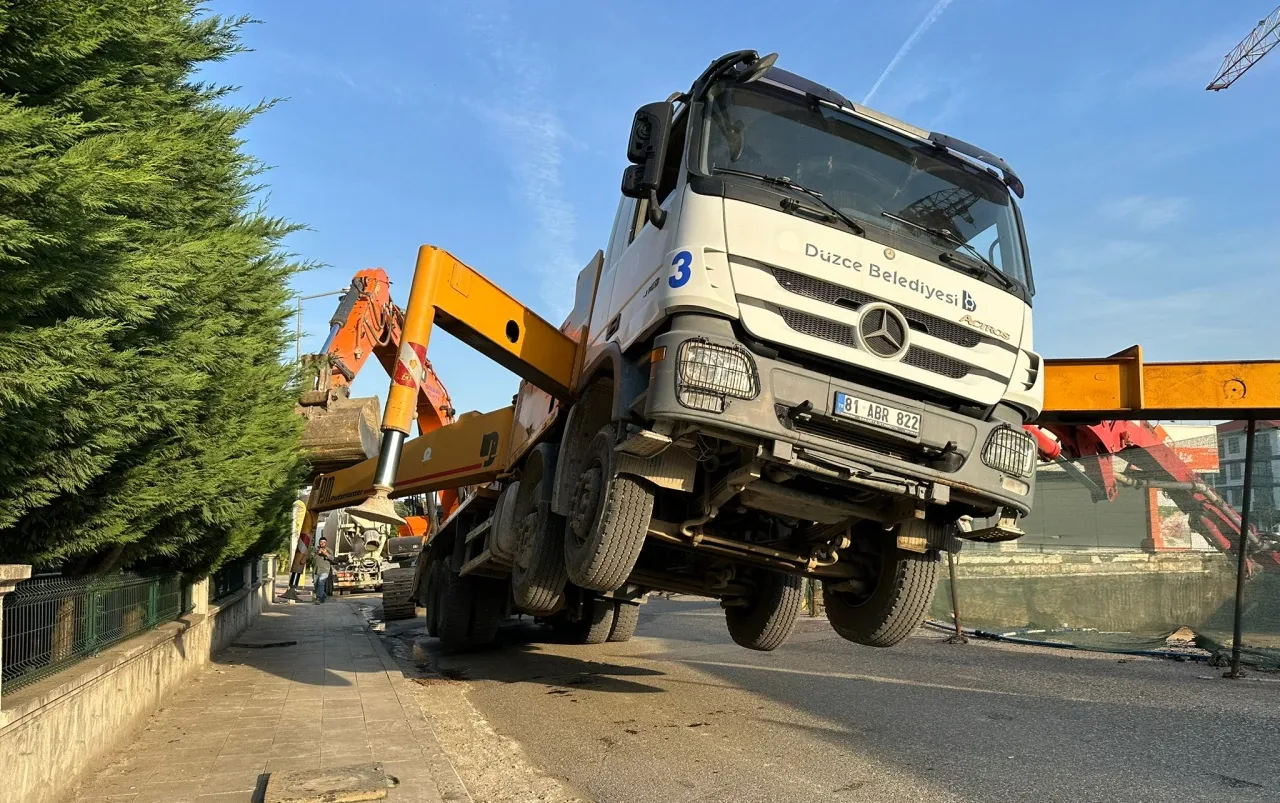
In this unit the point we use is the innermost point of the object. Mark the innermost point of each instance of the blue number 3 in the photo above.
(681, 262)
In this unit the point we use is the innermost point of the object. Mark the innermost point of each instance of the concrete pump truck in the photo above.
(805, 352)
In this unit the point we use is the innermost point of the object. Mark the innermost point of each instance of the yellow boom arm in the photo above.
(461, 301)
(471, 451)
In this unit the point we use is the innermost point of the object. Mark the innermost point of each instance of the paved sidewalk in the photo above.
(335, 698)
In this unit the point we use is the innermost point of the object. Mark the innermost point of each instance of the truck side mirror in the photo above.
(647, 150)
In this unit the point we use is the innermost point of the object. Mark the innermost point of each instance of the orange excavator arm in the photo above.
(367, 322)
(364, 320)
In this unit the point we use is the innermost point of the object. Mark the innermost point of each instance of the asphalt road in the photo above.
(682, 714)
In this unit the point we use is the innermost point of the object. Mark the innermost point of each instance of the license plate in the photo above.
(877, 414)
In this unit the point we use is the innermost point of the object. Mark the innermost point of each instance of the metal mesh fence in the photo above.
(1135, 551)
(227, 580)
(53, 622)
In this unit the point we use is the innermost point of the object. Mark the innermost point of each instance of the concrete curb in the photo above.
(448, 783)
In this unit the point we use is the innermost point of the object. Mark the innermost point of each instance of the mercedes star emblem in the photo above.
(883, 330)
(880, 320)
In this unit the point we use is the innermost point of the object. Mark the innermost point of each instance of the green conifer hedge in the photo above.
(145, 414)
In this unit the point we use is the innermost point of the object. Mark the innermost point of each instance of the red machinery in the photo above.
(1085, 451)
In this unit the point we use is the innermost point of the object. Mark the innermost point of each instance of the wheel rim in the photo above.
(524, 548)
(586, 500)
(871, 569)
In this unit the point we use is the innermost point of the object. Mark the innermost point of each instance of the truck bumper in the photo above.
(942, 464)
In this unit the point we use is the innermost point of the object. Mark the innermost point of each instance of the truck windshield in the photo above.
(865, 170)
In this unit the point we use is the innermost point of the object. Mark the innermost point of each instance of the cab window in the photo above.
(623, 230)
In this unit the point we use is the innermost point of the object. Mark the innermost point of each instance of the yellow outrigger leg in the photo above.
(447, 293)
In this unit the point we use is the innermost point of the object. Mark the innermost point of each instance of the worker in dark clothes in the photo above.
(322, 566)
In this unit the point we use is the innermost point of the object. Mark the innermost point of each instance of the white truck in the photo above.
(806, 352)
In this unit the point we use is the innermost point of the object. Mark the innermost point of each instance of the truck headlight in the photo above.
(1011, 451)
(706, 374)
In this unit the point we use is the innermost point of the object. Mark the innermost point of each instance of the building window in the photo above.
(1233, 446)
(1235, 471)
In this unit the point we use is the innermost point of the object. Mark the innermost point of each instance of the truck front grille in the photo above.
(836, 332)
(824, 291)
(823, 328)
(935, 363)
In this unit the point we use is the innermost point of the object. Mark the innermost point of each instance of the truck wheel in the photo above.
(626, 616)
(455, 608)
(470, 610)
(609, 522)
(488, 598)
(431, 599)
(765, 623)
(892, 604)
(537, 569)
(506, 534)
(595, 625)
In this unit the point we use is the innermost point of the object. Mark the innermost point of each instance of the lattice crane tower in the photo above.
(1250, 50)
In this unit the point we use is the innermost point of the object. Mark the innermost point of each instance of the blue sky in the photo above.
(497, 131)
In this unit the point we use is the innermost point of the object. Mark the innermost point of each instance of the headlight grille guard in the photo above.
(706, 375)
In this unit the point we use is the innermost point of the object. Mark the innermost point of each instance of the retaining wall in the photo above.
(55, 730)
(1131, 592)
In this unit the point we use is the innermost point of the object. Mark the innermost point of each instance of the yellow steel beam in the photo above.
(1124, 387)
(471, 451)
(482, 315)
(447, 293)
(452, 296)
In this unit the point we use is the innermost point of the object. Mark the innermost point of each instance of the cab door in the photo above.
(633, 302)
(602, 312)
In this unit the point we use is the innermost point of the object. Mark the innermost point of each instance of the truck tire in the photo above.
(538, 572)
(609, 522)
(488, 598)
(595, 625)
(455, 608)
(470, 610)
(766, 622)
(626, 616)
(435, 581)
(397, 594)
(894, 607)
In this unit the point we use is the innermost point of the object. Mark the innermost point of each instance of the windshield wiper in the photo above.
(784, 181)
(984, 266)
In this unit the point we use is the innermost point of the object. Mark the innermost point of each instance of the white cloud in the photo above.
(1145, 213)
(303, 65)
(531, 137)
(920, 30)
(1198, 302)
(1187, 70)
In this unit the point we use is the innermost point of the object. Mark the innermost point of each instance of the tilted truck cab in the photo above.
(930, 350)
(805, 353)
(830, 314)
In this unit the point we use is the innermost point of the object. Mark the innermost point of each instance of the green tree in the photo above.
(145, 413)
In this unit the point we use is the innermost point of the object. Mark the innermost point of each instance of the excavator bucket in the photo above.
(340, 432)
